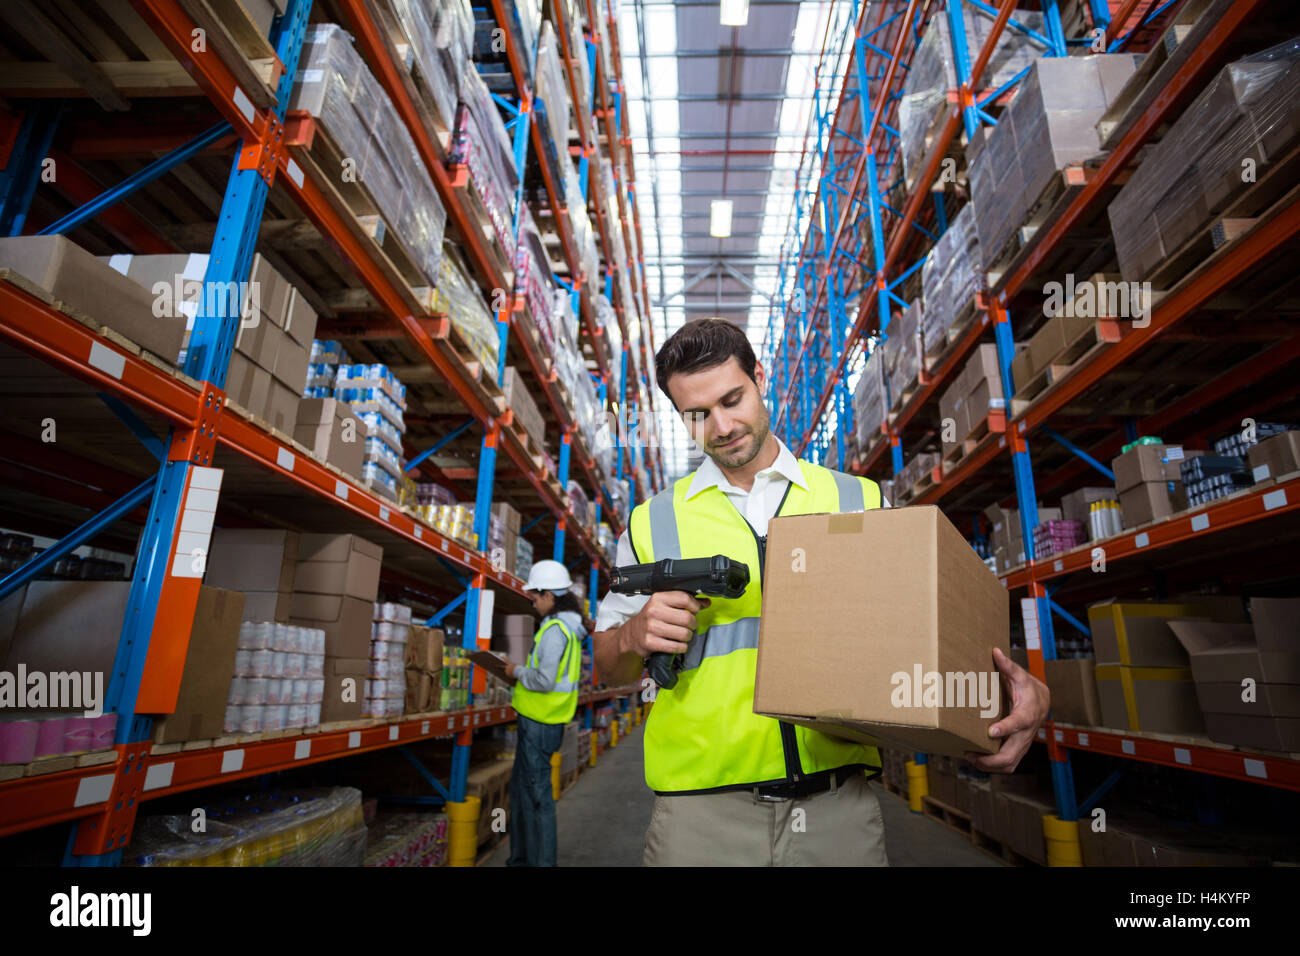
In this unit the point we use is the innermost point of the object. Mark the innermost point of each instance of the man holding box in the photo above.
(733, 787)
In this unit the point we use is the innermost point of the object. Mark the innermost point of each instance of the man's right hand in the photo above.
(665, 625)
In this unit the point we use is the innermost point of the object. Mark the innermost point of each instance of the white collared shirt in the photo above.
(758, 505)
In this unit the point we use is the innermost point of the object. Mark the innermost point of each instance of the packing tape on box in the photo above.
(1117, 613)
(1127, 675)
(845, 524)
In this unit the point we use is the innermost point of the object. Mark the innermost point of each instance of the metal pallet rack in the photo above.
(854, 237)
(177, 502)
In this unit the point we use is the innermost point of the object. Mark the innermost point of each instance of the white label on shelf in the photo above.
(1042, 734)
(383, 513)
(295, 173)
(120, 263)
(1002, 442)
(476, 717)
(284, 458)
(107, 360)
(94, 789)
(1182, 755)
(205, 478)
(354, 739)
(1083, 740)
(244, 104)
(159, 775)
(1058, 565)
(1255, 768)
(1200, 522)
(424, 726)
(392, 732)
(419, 532)
(1021, 425)
(1060, 737)
(301, 749)
(1260, 473)
(1275, 499)
(341, 489)
(232, 760)
(1141, 540)
(201, 499)
(443, 544)
(467, 720)
(1127, 747)
(197, 522)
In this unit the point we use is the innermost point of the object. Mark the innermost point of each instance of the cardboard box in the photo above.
(931, 610)
(1073, 686)
(1150, 699)
(423, 667)
(1279, 455)
(209, 665)
(247, 385)
(268, 606)
(65, 625)
(252, 559)
(1074, 506)
(323, 427)
(345, 621)
(1138, 633)
(338, 564)
(1151, 501)
(300, 319)
(525, 408)
(1145, 463)
(282, 407)
(1248, 730)
(78, 279)
(1277, 623)
(1228, 652)
(291, 360)
(345, 685)
(1047, 343)
(1022, 368)
(271, 291)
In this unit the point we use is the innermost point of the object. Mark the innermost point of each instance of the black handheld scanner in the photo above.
(718, 576)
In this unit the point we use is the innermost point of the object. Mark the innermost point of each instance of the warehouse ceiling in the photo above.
(716, 112)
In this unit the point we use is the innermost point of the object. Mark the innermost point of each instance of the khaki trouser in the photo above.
(841, 827)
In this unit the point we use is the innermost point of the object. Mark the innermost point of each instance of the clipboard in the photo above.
(492, 664)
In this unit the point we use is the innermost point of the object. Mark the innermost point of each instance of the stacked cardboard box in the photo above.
(510, 522)
(951, 276)
(490, 782)
(1006, 537)
(1144, 679)
(1076, 505)
(261, 563)
(90, 286)
(1149, 480)
(1051, 123)
(870, 401)
(976, 391)
(1248, 113)
(1275, 457)
(332, 432)
(903, 354)
(524, 558)
(1073, 686)
(523, 405)
(1247, 676)
(1046, 346)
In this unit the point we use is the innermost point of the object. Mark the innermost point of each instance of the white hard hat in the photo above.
(548, 576)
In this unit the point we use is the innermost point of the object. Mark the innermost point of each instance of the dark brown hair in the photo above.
(703, 344)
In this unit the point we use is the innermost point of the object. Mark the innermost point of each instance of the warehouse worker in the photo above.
(732, 787)
(546, 697)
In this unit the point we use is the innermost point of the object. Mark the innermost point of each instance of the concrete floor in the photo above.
(602, 820)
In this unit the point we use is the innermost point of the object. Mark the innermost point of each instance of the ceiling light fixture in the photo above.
(733, 13)
(720, 218)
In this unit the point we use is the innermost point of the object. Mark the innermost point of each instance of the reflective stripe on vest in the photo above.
(703, 734)
(558, 705)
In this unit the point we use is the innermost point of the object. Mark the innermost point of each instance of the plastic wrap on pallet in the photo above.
(534, 280)
(552, 102)
(461, 300)
(581, 503)
(1050, 124)
(353, 376)
(334, 85)
(523, 18)
(607, 319)
(950, 277)
(575, 14)
(1249, 112)
(931, 75)
(440, 36)
(481, 143)
(902, 350)
(583, 235)
(869, 403)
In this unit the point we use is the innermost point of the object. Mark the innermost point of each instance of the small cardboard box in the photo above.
(247, 385)
(1228, 652)
(901, 653)
(338, 564)
(253, 559)
(268, 606)
(1047, 343)
(1074, 506)
(300, 319)
(323, 427)
(1277, 623)
(209, 665)
(1154, 699)
(1151, 501)
(282, 408)
(345, 621)
(1144, 463)
(423, 667)
(291, 360)
(1073, 686)
(345, 688)
(1279, 455)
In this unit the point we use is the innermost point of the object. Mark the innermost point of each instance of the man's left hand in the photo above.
(1030, 701)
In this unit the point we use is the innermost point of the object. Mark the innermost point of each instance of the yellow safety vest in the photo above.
(703, 734)
(556, 706)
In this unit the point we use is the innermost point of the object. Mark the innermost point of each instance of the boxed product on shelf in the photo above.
(517, 638)
(343, 695)
(1226, 656)
(332, 432)
(337, 88)
(916, 468)
(510, 523)
(490, 782)
(261, 563)
(950, 278)
(335, 584)
(1075, 505)
(524, 558)
(1137, 633)
(525, 408)
(1050, 124)
(26, 735)
(1247, 112)
(269, 828)
(1148, 478)
(440, 37)
(1276, 456)
(582, 506)
(869, 399)
(407, 838)
(423, 667)
(1241, 442)
(1073, 686)
(1046, 346)
(453, 693)
(209, 666)
(92, 287)
(903, 352)
(523, 18)
(534, 279)
(1057, 537)
(279, 680)
(1207, 477)
(931, 78)
(552, 104)
(973, 394)
(481, 143)
(932, 606)
(1151, 699)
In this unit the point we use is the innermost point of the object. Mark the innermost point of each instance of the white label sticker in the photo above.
(202, 499)
(106, 360)
(1058, 565)
(1141, 540)
(383, 513)
(295, 173)
(1275, 499)
(341, 490)
(284, 458)
(354, 739)
(392, 732)
(1173, 453)
(244, 104)
(1255, 768)
(419, 532)
(1182, 755)
(1083, 740)
(1200, 522)
(94, 789)
(466, 720)
(424, 726)
(1060, 737)
(443, 544)
(232, 760)
(301, 749)
(1127, 747)
(158, 775)
(1260, 473)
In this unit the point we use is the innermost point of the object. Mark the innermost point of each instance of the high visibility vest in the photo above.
(703, 734)
(558, 705)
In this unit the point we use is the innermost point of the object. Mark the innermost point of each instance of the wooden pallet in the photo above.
(994, 422)
(567, 781)
(998, 850)
(901, 400)
(895, 789)
(956, 820)
(924, 483)
(1045, 210)
(1091, 342)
